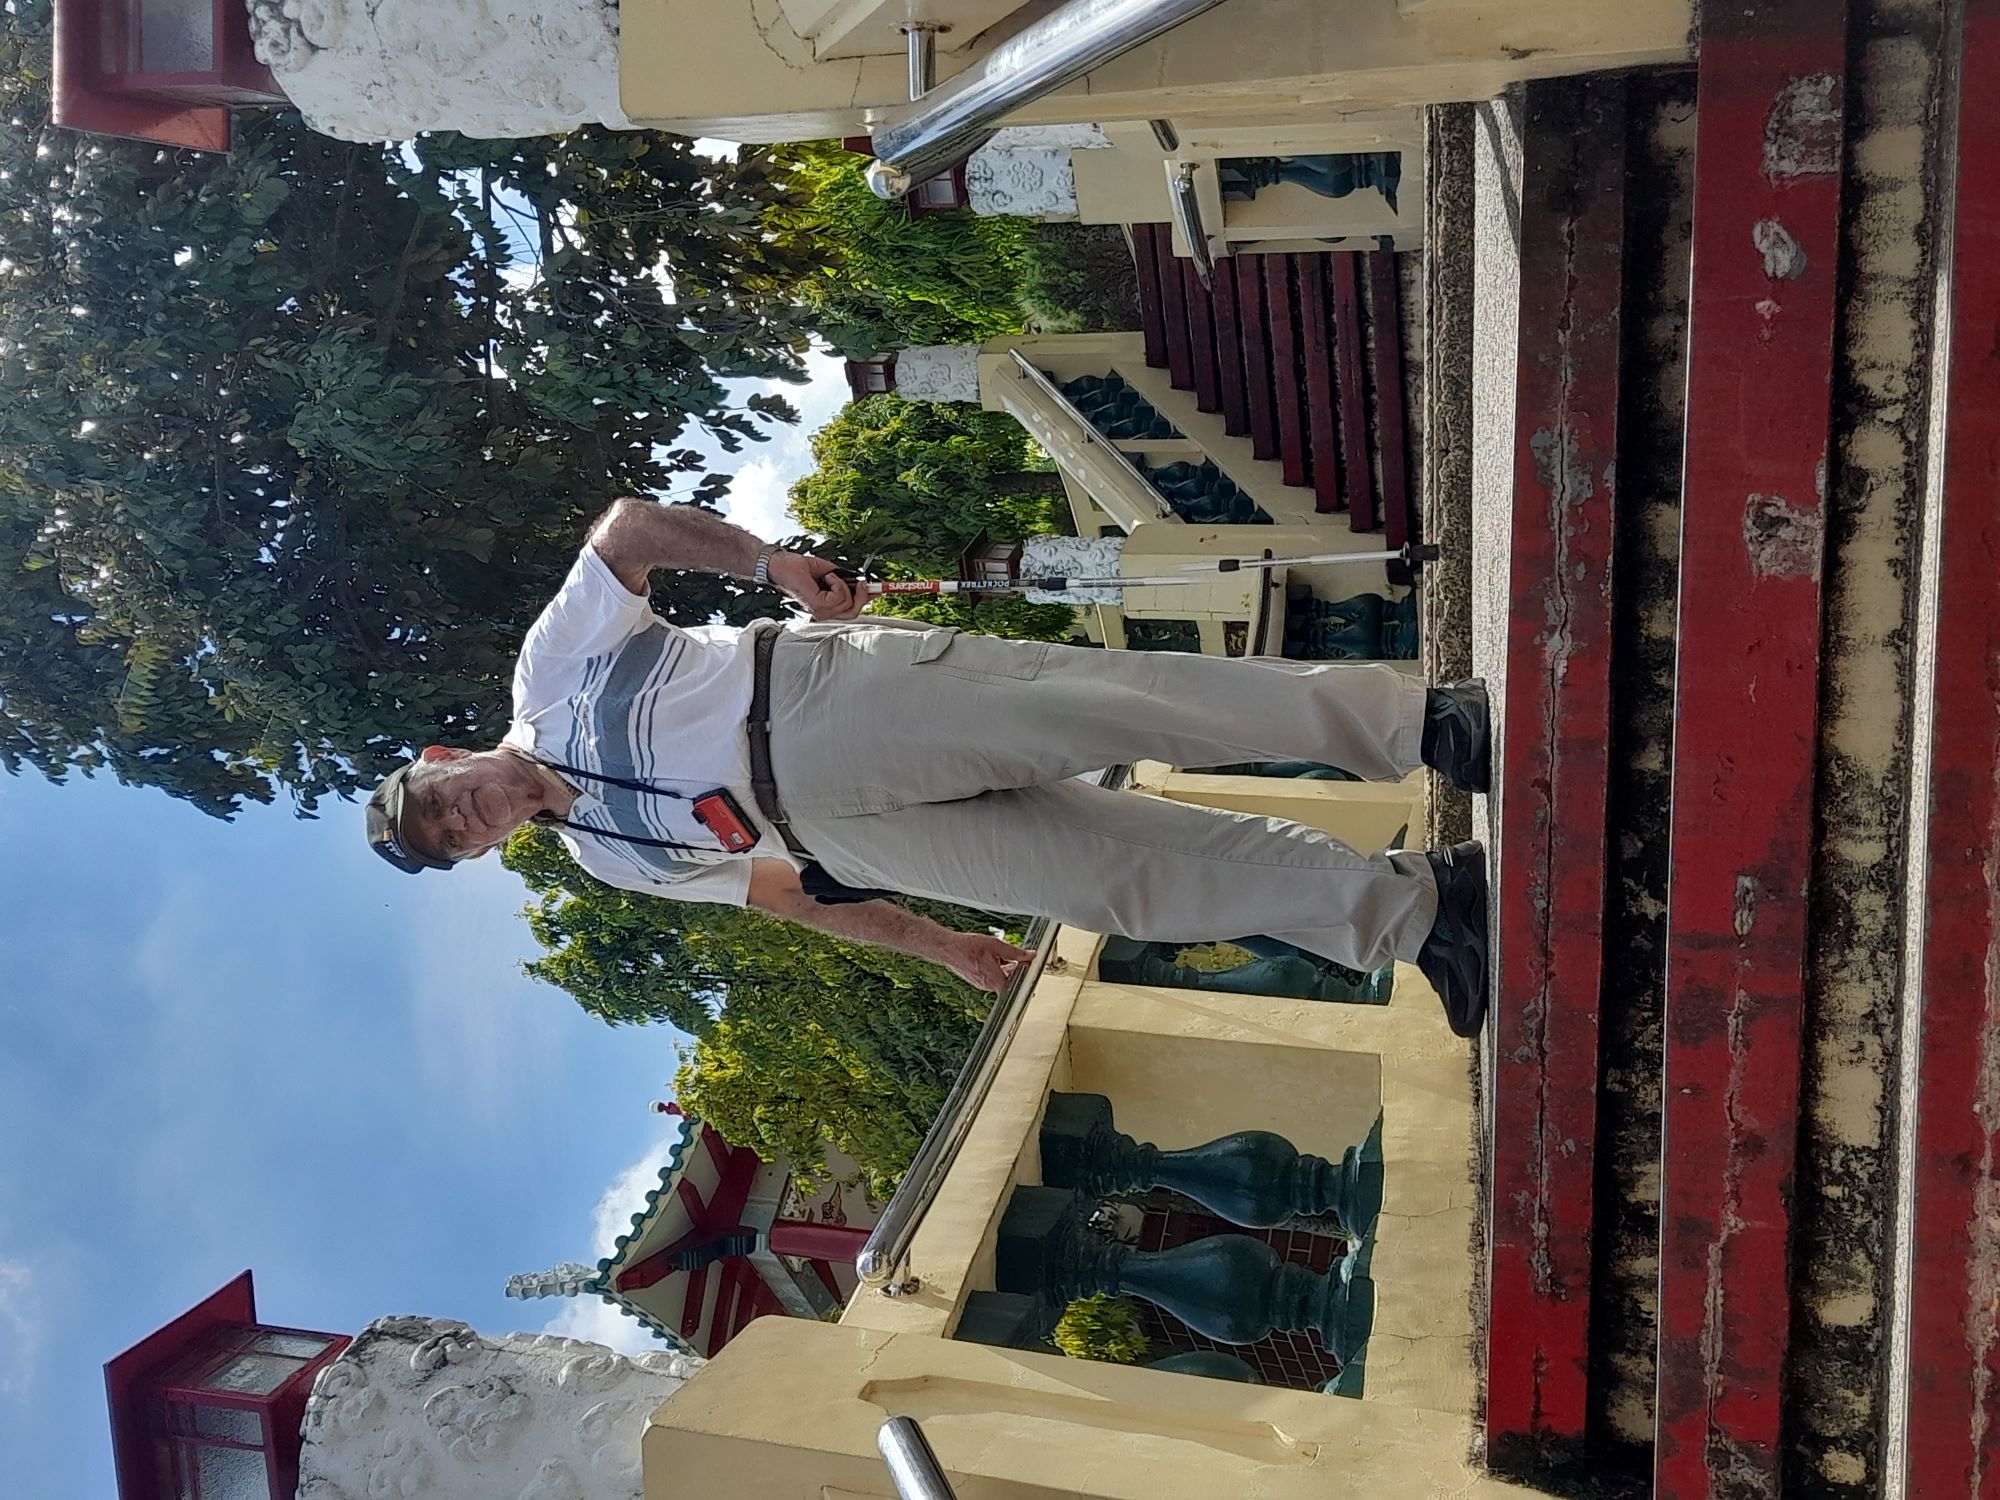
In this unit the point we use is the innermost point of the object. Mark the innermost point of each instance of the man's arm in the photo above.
(976, 957)
(636, 536)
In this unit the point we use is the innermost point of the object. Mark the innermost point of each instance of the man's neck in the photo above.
(558, 795)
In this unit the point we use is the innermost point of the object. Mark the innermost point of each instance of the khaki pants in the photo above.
(939, 764)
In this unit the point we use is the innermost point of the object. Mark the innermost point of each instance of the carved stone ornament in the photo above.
(380, 70)
(1030, 182)
(939, 372)
(426, 1407)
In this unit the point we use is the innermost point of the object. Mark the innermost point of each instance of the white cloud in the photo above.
(20, 1328)
(601, 1323)
(589, 1318)
(758, 498)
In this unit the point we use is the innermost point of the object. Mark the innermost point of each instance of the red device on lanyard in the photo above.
(718, 813)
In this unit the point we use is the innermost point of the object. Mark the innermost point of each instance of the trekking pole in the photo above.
(1412, 556)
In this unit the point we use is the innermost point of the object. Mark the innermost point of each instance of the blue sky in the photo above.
(254, 1044)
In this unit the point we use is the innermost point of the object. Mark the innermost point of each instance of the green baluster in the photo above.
(1227, 1287)
(1007, 1320)
(1294, 975)
(1211, 1364)
(1255, 1178)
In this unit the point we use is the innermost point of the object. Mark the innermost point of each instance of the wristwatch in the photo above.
(763, 569)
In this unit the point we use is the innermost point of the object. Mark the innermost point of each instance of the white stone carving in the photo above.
(1073, 557)
(938, 372)
(1030, 182)
(1069, 137)
(568, 1278)
(426, 1407)
(382, 70)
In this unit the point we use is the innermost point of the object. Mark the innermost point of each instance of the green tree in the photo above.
(1077, 278)
(800, 1038)
(897, 279)
(918, 480)
(294, 444)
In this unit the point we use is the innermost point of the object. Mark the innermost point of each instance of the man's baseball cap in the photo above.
(385, 826)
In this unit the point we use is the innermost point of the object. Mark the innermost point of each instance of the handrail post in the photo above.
(937, 131)
(913, 1467)
(921, 37)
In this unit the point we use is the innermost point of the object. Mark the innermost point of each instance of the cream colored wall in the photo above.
(790, 1411)
(741, 69)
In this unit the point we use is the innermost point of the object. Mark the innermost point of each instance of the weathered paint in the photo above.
(1840, 1371)
(1953, 1429)
(1356, 482)
(1550, 906)
(1652, 390)
(1759, 370)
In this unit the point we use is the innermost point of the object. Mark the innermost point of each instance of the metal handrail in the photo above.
(888, 1247)
(913, 1467)
(1118, 456)
(937, 132)
(1187, 211)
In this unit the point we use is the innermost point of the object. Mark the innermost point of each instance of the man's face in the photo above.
(458, 804)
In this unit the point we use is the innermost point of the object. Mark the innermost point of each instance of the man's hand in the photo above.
(985, 962)
(817, 584)
(973, 956)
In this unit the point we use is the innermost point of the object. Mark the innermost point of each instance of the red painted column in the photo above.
(1770, 101)
(828, 1242)
(1953, 1427)
(1555, 757)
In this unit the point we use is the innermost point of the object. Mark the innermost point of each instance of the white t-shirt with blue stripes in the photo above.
(605, 685)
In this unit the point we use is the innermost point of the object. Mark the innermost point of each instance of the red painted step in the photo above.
(1760, 357)
(1322, 422)
(1229, 352)
(1555, 759)
(1357, 478)
(1261, 409)
(1201, 340)
(1386, 377)
(1146, 275)
(1287, 386)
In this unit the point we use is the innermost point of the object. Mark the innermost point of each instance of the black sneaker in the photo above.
(1458, 736)
(1454, 955)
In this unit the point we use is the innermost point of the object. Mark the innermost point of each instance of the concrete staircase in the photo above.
(1303, 355)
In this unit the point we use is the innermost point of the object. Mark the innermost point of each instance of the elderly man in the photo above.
(797, 768)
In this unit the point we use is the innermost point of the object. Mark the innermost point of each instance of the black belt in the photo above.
(763, 785)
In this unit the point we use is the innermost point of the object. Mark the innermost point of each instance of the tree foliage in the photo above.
(1078, 278)
(800, 1038)
(896, 279)
(294, 444)
(917, 481)
(1102, 1328)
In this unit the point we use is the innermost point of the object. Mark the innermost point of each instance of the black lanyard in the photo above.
(630, 786)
